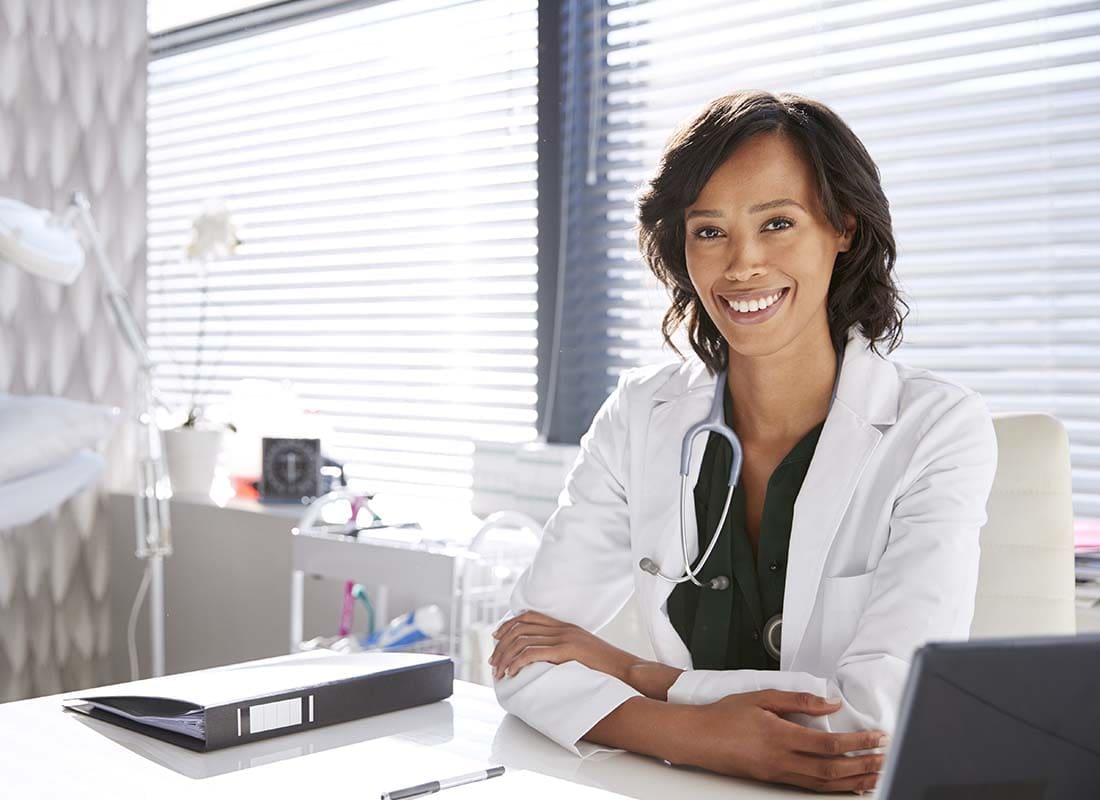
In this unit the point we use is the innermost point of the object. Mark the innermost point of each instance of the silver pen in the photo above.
(431, 788)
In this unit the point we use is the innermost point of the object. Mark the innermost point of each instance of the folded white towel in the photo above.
(38, 431)
(26, 499)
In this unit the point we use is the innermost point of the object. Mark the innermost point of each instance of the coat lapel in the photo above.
(845, 445)
(867, 395)
(680, 403)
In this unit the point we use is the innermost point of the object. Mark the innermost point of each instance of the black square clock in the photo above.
(291, 469)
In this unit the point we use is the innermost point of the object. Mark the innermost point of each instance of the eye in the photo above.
(707, 232)
(779, 219)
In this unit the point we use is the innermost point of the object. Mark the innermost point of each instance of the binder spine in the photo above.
(328, 704)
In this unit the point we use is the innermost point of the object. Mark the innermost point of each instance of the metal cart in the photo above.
(470, 584)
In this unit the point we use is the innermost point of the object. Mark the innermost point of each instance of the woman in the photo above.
(854, 520)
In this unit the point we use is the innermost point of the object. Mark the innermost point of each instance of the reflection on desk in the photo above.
(46, 752)
(428, 725)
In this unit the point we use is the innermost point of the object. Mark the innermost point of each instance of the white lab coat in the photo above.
(883, 550)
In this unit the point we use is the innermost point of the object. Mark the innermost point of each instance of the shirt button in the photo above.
(756, 636)
(774, 566)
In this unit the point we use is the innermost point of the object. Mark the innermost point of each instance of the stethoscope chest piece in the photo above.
(773, 635)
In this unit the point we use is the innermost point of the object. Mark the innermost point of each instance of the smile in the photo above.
(754, 311)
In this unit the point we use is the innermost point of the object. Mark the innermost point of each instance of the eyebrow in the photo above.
(710, 213)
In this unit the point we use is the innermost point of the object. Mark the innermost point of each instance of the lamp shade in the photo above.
(39, 243)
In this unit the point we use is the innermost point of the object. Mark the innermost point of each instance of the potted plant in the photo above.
(192, 448)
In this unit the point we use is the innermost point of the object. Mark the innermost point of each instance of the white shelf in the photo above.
(375, 563)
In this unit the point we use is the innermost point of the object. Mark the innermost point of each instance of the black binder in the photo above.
(215, 708)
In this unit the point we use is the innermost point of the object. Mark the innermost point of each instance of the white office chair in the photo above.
(1025, 579)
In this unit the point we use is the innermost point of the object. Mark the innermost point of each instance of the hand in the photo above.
(531, 637)
(744, 735)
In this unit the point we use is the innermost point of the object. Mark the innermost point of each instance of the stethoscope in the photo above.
(715, 423)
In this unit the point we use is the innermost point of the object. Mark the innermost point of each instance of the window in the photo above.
(984, 119)
(380, 164)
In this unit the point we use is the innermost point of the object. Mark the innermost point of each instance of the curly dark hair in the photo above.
(862, 289)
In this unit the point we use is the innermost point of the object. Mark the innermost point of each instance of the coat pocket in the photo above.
(843, 601)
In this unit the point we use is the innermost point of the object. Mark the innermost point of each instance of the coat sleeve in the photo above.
(923, 588)
(581, 574)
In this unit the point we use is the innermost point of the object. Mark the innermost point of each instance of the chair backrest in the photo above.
(1025, 580)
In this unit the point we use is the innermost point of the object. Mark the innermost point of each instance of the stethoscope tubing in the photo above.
(714, 423)
(691, 575)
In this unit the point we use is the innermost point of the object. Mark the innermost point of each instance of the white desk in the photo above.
(48, 753)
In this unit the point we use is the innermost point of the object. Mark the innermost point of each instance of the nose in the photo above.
(744, 261)
(741, 274)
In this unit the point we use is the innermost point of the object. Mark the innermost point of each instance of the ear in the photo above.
(845, 238)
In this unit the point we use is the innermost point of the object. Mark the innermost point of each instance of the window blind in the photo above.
(380, 166)
(984, 119)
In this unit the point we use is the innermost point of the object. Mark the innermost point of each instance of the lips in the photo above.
(754, 294)
(758, 316)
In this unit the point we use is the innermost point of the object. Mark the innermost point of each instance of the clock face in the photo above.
(291, 468)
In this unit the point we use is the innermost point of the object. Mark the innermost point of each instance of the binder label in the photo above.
(273, 716)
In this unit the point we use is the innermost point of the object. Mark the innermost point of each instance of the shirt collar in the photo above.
(869, 385)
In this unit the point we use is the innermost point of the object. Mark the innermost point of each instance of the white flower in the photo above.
(213, 235)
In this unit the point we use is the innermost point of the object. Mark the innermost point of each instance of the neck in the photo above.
(779, 397)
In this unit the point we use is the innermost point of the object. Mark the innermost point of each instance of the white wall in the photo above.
(72, 116)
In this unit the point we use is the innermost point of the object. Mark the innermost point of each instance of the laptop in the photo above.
(999, 719)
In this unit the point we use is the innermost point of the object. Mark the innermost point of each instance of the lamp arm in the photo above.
(152, 521)
(117, 298)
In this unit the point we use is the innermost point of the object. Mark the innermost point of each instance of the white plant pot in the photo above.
(192, 456)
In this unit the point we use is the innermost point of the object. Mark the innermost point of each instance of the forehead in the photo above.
(765, 167)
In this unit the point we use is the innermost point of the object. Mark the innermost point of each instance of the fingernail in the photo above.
(884, 740)
(832, 700)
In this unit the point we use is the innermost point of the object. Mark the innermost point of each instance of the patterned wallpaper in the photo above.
(72, 116)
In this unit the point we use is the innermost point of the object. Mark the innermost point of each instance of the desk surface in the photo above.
(46, 752)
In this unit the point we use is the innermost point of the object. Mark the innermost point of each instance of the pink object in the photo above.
(1086, 534)
(348, 611)
(347, 614)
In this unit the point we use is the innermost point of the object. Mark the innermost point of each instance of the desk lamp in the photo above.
(54, 248)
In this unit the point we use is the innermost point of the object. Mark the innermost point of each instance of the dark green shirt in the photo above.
(724, 629)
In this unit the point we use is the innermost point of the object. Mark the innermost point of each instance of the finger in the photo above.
(522, 629)
(808, 740)
(517, 647)
(553, 654)
(508, 654)
(831, 768)
(782, 702)
(525, 617)
(534, 616)
(856, 783)
(507, 622)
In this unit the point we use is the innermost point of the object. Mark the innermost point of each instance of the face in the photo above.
(756, 235)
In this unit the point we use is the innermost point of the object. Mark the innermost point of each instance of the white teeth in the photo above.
(745, 307)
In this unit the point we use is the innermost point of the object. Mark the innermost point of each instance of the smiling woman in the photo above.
(858, 484)
(790, 142)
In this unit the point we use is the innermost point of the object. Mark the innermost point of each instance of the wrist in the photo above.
(680, 742)
(651, 678)
(624, 668)
(652, 728)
